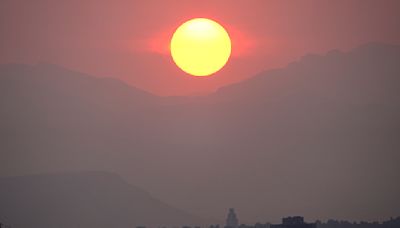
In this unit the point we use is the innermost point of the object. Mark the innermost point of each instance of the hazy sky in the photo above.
(319, 138)
(129, 39)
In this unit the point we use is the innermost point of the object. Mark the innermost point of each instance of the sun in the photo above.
(200, 47)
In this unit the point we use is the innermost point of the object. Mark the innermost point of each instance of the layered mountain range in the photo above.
(318, 137)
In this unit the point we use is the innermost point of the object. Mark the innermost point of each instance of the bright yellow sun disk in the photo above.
(200, 47)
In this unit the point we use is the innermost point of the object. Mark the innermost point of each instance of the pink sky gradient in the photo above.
(129, 39)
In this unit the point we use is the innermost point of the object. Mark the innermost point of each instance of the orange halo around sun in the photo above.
(200, 47)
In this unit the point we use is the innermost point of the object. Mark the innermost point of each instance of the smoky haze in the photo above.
(129, 40)
(318, 138)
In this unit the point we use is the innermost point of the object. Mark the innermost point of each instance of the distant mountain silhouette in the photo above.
(365, 75)
(318, 137)
(82, 199)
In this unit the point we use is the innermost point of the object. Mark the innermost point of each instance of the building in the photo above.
(232, 220)
(293, 222)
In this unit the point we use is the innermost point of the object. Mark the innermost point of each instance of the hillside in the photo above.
(82, 199)
(319, 132)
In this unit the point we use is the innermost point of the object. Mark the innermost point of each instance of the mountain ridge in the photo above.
(90, 198)
(315, 133)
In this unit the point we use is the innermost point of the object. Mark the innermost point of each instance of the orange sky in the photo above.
(129, 39)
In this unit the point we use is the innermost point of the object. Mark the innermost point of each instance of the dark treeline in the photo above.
(2, 225)
(392, 223)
